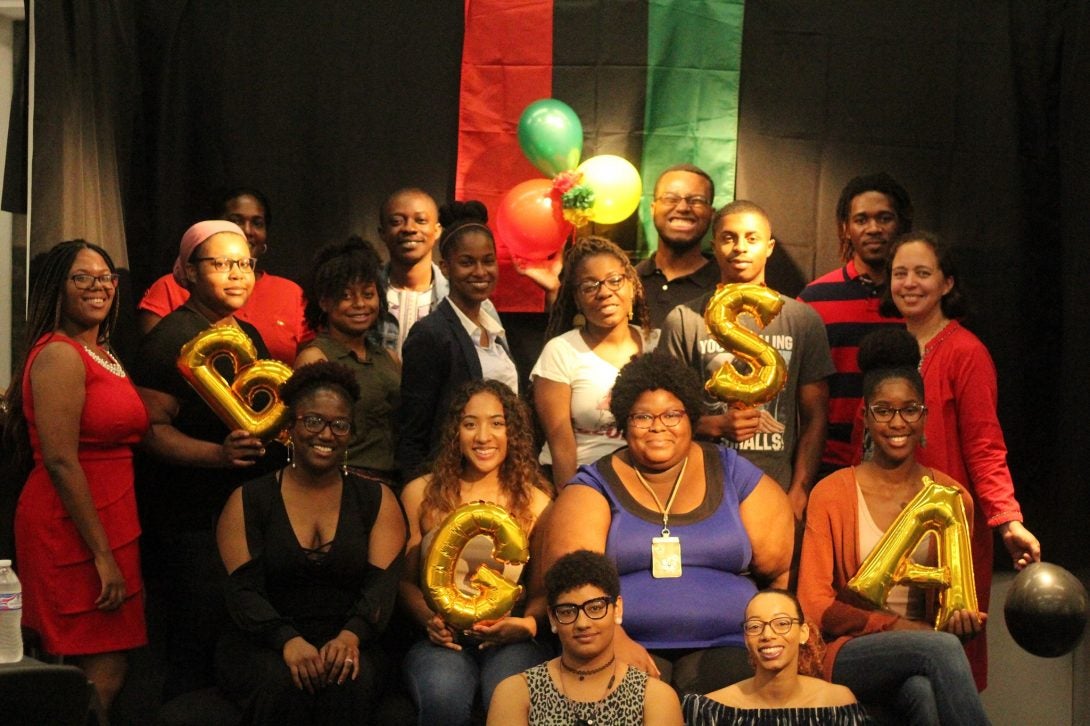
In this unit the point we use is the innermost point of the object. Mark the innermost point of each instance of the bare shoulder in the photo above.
(823, 693)
(56, 355)
(661, 706)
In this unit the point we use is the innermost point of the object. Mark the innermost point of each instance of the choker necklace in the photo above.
(583, 674)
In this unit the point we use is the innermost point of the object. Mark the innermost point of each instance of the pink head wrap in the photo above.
(193, 238)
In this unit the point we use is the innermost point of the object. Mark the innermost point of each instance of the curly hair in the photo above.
(889, 353)
(812, 652)
(322, 375)
(519, 473)
(578, 568)
(459, 218)
(954, 304)
(48, 286)
(883, 184)
(335, 267)
(565, 308)
(653, 372)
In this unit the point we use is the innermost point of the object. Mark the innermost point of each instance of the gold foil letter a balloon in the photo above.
(768, 371)
(937, 510)
(496, 596)
(254, 380)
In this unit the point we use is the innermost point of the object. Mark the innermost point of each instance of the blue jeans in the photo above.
(443, 683)
(922, 674)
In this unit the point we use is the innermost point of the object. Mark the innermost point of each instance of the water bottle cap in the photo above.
(5, 563)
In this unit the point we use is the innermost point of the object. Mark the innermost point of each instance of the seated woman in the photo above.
(786, 656)
(890, 656)
(576, 370)
(313, 556)
(588, 683)
(485, 453)
(346, 298)
(687, 524)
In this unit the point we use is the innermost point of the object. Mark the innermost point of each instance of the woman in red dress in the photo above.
(75, 411)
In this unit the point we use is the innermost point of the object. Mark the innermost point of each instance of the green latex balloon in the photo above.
(551, 136)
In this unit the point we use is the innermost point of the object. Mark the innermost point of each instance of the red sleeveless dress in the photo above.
(57, 570)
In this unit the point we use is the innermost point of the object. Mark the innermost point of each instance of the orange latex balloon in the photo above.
(496, 596)
(254, 380)
(938, 511)
(768, 371)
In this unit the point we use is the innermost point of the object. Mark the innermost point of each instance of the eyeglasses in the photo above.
(567, 613)
(670, 419)
(780, 626)
(590, 288)
(85, 281)
(695, 201)
(909, 414)
(224, 264)
(315, 424)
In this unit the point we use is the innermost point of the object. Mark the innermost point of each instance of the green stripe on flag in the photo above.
(694, 58)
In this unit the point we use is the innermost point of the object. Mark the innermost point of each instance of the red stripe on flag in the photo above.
(507, 63)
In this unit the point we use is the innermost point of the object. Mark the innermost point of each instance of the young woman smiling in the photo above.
(485, 453)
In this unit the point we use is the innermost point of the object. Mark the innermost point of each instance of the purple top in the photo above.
(705, 606)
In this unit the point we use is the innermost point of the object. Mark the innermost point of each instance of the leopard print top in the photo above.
(550, 707)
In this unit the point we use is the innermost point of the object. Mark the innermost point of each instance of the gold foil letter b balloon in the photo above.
(768, 371)
(254, 380)
(936, 510)
(496, 596)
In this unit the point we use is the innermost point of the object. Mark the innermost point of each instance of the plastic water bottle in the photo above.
(11, 614)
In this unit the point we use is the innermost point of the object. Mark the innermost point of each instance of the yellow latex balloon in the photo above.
(496, 596)
(616, 185)
(234, 402)
(768, 371)
(938, 511)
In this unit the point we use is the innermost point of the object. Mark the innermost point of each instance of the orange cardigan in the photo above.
(830, 557)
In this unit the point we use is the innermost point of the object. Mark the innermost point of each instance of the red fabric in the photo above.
(830, 557)
(507, 63)
(60, 581)
(275, 308)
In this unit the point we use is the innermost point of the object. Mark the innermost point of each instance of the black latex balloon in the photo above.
(1046, 610)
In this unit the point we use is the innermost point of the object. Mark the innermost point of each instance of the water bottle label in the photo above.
(14, 601)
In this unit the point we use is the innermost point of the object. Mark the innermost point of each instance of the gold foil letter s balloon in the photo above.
(936, 510)
(496, 596)
(254, 380)
(768, 371)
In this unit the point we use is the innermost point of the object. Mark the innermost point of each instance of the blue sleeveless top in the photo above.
(705, 606)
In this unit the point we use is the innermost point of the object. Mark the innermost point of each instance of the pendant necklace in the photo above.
(665, 550)
(583, 674)
(581, 718)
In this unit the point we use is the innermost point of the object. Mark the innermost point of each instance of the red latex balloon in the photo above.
(530, 221)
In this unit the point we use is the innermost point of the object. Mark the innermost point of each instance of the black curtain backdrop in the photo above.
(978, 107)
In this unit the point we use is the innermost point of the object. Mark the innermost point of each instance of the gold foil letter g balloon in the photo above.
(495, 595)
(255, 380)
(768, 371)
(936, 510)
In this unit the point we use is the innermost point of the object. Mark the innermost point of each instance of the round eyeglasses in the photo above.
(909, 414)
(669, 419)
(780, 626)
(589, 288)
(315, 424)
(596, 608)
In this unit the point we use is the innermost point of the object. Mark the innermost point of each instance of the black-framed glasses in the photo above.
(670, 419)
(567, 613)
(780, 626)
(695, 201)
(224, 264)
(315, 424)
(85, 281)
(909, 414)
(588, 288)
